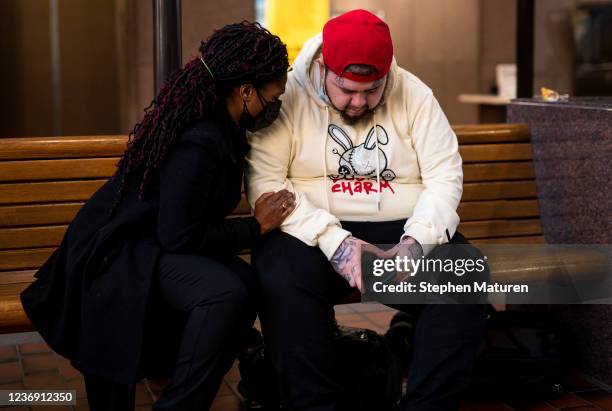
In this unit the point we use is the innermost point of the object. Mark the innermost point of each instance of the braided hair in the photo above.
(241, 53)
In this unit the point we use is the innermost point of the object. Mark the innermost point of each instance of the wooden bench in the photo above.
(45, 180)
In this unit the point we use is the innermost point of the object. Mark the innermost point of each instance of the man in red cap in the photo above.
(372, 159)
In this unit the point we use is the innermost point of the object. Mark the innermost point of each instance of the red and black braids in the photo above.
(241, 53)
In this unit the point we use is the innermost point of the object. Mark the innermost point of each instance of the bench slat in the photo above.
(74, 169)
(12, 316)
(498, 171)
(31, 237)
(495, 152)
(500, 228)
(527, 239)
(14, 277)
(491, 133)
(23, 148)
(24, 259)
(499, 190)
(38, 214)
(491, 210)
(49, 192)
(509, 265)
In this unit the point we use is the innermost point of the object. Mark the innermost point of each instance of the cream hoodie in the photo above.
(334, 169)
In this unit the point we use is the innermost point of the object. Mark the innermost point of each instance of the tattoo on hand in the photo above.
(342, 260)
(343, 254)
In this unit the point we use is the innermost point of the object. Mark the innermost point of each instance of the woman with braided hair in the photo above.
(147, 281)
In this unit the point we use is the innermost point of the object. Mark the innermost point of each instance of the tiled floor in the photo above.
(32, 365)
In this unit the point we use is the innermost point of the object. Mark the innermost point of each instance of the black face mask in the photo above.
(268, 114)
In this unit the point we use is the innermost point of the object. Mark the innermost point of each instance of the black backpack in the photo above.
(522, 357)
(371, 372)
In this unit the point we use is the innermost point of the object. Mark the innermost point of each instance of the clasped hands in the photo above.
(346, 261)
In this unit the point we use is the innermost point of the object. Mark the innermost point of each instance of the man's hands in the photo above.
(271, 209)
(347, 259)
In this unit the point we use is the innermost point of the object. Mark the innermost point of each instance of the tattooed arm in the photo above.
(346, 261)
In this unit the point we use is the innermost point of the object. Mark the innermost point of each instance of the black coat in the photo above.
(90, 299)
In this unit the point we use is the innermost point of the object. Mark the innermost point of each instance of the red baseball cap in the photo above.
(357, 37)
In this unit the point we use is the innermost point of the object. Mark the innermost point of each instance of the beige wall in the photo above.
(497, 39)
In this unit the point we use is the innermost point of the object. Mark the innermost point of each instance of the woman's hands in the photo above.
(271, 209)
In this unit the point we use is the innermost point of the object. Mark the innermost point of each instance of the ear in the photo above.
(320, 61)
(321, 64)
(340, 137)
(246, 92)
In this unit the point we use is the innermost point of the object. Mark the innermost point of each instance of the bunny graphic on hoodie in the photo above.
(358, 165)
(361, 161)
(402, 163)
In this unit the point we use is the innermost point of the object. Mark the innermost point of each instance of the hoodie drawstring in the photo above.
(377, 164)
(325, 193)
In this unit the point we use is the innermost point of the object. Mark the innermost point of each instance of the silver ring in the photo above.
(284, 206)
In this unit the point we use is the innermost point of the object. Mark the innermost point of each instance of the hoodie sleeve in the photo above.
(440, 164)
(267, 171)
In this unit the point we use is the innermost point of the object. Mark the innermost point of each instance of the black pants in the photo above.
(299, 289)
(208, 306)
